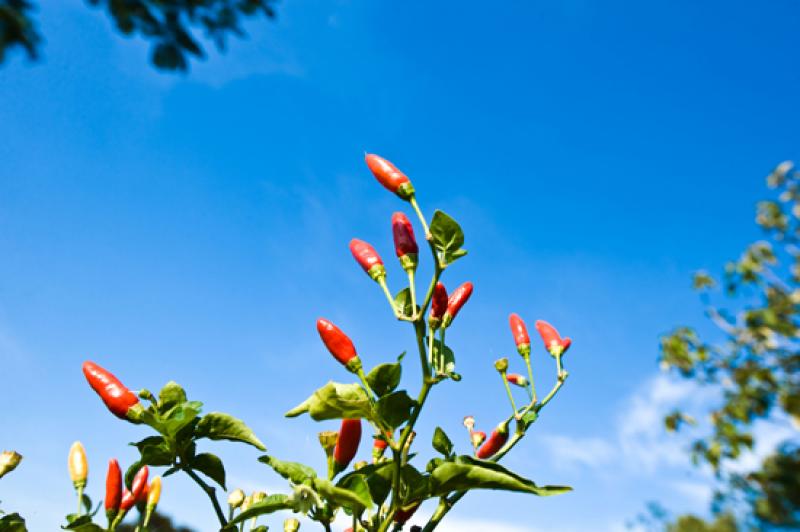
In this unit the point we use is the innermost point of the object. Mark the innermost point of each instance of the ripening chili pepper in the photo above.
(495, 442)
(402, 515)
(438, 305)
(454, 303)
(122, 402)
(389, 176)
(405, 245)
(113, 489)
(520, 332)
(154, 493)
(138, 485)
(368, 259)
(346, 444)
(553, 342)
(516, 378)
(477, 437)
(78, 467)
(339, 345)
(379, 447)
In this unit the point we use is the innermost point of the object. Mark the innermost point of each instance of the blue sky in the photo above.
(194, 227)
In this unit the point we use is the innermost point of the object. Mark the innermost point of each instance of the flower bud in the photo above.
(291, 525)
(257, 497)
(516, 378)
(368, 259)
(9, 460)
(389, 176)
(236, 498)
(327, 439)
(247, 503)
(358, 465)
(501, 365)
(78, 467)
(469, 422)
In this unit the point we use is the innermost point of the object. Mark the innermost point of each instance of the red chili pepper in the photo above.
(367, 258)
(438, 305)
(454, 303)
(119, 399)
(516, 378)
(402, 516)
(552, 340)
(339, 345)
(113, 488)
(346, 443)
(378, 448)
(138, 485)
(389, 176)
(520, 332)
(495, 442)
(405, 245)
(145, 493)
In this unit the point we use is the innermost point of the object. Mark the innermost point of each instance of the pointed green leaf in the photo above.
(219, 426)
(358, 485)
(384, 378)
(470, 473)
(402, 302)
(335, 401)
(170, 395)
(442, 443)
(447, 237)
(211, 466)
(342, 497)
(295, 472)
(395, 409)
(154, 451)
(271, 504)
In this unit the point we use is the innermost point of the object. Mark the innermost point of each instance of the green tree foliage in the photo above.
(754, 363)
(173, 27)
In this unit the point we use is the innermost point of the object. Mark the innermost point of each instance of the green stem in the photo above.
(559, 383)
(413, 201)
(389, 297)
(80, 500)
(510, 395)
(211, 492)
(559, 369)
(413, 289)
(532, 388)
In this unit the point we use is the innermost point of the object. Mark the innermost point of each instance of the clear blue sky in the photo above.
(194, 227)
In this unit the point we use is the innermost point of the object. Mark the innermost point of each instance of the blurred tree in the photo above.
(158, 523)
(755, 367)
(170, 25)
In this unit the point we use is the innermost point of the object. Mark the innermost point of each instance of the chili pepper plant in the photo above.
(378, 496)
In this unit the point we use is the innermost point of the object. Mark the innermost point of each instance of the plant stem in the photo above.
(510, 395)
(80, 500)
(413, 201)
(211, 492)
(389, 297)
(532, 388)
(559, 383)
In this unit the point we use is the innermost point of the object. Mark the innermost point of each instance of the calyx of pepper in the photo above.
(405, 191)
(377, 272)
(501, 365)
(408, 261)
(135, 414)
(354, 365)
(524, 350)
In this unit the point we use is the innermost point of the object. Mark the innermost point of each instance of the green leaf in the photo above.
(447, 237)
(219, 426)
(529, 417)
(81, 523)
(417, 485)
(442, 443)
(335, 401)
(402, 302)
(12, 523)
(295, 472)
(357, 484)
(470, 473)
(271, 504)
(211, 466)
(170, 395)
(342, 497)
(154, 451)
(395, 409)
(179, 416)
(384, 378)
(379, 480)
(444, 355)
